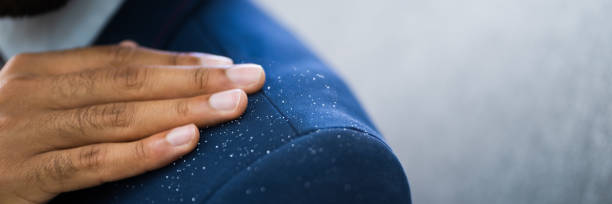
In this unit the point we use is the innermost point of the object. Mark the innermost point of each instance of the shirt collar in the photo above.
(75, 25)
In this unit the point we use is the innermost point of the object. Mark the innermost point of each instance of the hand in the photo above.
(78, 118)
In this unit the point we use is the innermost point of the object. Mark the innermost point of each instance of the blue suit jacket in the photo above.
(303, 139)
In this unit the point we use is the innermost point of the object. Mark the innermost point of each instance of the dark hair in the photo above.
(20, 8)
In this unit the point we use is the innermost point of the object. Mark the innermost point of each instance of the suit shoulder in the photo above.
(335, 165)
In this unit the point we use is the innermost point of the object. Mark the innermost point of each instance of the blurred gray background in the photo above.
(484, 101)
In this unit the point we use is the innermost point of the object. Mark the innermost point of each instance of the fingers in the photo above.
(127, 84)
(144, 83)
(129, 121)
(133, 54)
(128, 43)
(92, 165)
(127, 53)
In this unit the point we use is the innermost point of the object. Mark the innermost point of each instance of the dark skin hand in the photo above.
(78, 118)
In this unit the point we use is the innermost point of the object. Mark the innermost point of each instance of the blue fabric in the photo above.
(303, 139)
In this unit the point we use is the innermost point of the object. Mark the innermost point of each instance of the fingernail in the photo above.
(181, 135)
(226, 100)
(244, 74)
(128, 43)
(212, 60)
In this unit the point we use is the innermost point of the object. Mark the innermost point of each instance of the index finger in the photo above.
(81, 59)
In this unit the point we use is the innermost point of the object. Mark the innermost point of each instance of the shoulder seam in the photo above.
(295, 130)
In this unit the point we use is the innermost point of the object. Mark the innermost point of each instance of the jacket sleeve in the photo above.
(335, 165)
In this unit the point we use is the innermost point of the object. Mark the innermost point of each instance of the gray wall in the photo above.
(484, 101)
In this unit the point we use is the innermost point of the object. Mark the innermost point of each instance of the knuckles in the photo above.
(118, 115)
(140, 151)
(104, 116)
(182, 108)
(58, 168)
(120, 55)
(91, 157)
(130, 78)
(200, 78)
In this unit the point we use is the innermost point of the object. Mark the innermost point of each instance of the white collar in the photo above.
(75, 25)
